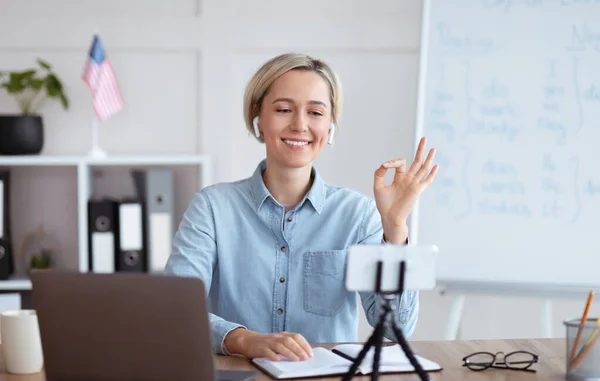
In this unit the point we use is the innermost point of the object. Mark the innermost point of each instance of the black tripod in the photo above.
(376, 339)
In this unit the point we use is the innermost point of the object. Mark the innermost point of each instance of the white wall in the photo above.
(183, 65)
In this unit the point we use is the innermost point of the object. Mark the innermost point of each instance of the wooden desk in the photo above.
(449, 354)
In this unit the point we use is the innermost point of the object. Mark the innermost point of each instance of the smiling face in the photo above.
(294, 118)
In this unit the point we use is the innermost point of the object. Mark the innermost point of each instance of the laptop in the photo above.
(125, 326)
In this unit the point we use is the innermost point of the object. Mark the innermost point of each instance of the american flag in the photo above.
(100, 77)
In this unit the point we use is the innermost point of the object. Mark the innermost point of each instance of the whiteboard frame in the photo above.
(413, 230)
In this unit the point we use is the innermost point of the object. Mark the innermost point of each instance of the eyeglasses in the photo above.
(518, 360)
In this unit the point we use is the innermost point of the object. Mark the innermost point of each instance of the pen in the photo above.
(583, 319)
(588, 345)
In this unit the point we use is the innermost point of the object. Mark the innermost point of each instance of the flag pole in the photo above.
(96, 152)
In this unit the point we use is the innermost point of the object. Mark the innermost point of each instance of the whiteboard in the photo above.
(509, 95)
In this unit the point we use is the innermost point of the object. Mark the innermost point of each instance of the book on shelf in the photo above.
(338, 361)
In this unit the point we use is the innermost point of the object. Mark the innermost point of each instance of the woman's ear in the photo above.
(255, 123)
(331, 133)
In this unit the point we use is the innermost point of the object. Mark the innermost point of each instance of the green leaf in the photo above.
(53, 86)
(28, 74)
(52, 91)
(53, 81)
(44, 64)
(15, 83)
(36, 84)
(15, 76)
(40, 262)
(64, 101)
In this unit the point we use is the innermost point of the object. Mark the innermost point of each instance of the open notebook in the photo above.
(337, 361)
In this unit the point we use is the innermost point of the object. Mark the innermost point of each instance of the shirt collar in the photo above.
(316, 194)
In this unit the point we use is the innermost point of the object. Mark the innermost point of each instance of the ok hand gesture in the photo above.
(395, 201)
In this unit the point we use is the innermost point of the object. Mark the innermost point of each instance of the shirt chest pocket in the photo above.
(324, 289)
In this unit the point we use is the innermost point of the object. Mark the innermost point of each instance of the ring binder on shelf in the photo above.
(6, 252)
(155, 188)
(103, 235)
(132, 236)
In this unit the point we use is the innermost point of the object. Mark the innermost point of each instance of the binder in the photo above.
(6, 250)
(155, 187)
(131, 255)
(103, 236)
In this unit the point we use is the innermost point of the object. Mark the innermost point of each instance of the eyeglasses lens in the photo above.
(519, 360)
(480, 361)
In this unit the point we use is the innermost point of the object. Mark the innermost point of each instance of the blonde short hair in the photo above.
(277, 66)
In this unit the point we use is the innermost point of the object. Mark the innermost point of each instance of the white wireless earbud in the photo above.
(331, 133)
(255, 123)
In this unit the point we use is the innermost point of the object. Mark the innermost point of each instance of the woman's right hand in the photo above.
(251, 344)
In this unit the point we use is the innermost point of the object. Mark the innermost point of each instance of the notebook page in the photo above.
(389, 355)
(392, 358)
(322, 363)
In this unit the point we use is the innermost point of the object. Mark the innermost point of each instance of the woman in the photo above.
(271, 248)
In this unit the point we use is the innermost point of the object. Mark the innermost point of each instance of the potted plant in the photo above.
(38, 251)
(23, 134)
(41, 261)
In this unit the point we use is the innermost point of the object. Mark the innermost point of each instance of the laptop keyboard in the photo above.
(235, 375)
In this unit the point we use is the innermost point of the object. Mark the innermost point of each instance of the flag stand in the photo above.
(96, 152)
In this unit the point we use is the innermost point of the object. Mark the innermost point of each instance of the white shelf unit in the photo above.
(85, 166)
(15, 285)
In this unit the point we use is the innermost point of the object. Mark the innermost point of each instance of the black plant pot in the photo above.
(21, 134)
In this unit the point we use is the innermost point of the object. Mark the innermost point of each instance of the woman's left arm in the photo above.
(406, 308)
(386, 221)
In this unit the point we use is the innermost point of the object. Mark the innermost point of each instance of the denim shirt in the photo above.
(272, 270)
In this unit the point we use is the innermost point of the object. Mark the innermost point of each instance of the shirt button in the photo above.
(289, 219)
(279, 311)
(282, 279)
(283, 248)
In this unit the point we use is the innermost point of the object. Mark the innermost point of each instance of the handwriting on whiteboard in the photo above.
(518, 135)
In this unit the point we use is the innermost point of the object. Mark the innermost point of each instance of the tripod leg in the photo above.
(361, 356)
(409, 353)
(377, 355)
